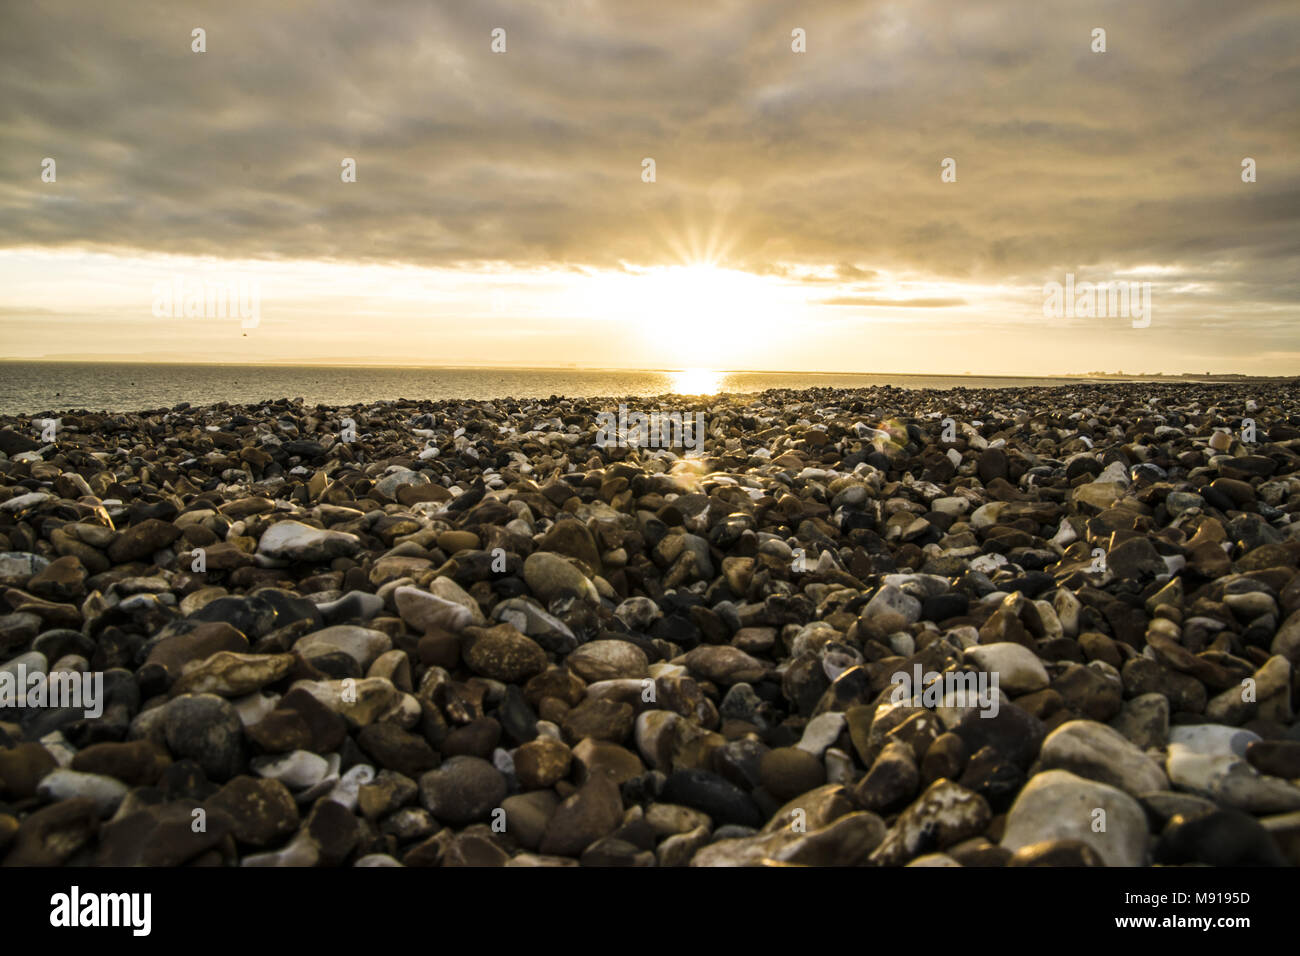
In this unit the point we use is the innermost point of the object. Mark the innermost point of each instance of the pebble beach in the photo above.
(480, 633)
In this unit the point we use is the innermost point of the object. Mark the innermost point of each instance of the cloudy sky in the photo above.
(798, 218)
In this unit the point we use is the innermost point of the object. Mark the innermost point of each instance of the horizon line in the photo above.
(602, 368)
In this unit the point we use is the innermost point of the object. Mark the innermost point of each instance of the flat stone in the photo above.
(1058, 805)
(1095, 751)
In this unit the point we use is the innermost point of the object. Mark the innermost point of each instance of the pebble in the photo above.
(298, 770)
(262, 812)
(608, 660)
(106, 792)
(1095, 751)
(1018, 669)
(207, 729)
(359, 643)
(787, 772)
(502, 653)
(463, 790)
(295, 541)
(1218, 838)
(945, 813)
(1058, 805)
(583, 818)
(473, 608)
(425, 611)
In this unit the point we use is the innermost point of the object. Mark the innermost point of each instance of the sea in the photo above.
(28, 387)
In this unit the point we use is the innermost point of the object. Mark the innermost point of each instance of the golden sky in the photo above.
(797, 219)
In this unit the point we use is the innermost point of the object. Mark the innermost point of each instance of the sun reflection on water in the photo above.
(696, 381)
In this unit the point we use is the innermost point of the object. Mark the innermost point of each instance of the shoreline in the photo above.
(993, 392)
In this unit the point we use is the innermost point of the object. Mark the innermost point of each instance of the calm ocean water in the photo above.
(34, 387)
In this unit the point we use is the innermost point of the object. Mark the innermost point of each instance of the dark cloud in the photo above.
(1065, 158)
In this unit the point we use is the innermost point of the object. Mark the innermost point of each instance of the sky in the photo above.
(898, 196)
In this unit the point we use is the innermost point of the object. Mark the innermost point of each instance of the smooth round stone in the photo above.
(50, 835)
(583, 818)
(58, 642)
(262, 812)
(18, 629)
(1018, 669)
(945, 757)
(462, 790)
(608, 660)
(527, 816)
(353, 606)
(892, 780)
(301, 851)
(890, 608)
(140, 541)
(502, 653)
(295, 541)
(106, 792)
(724, 664)
(550, 576)
(453, 541)
(135, 762)
(542, 762)
(206, 729)
(1277, 758)
(1218, 838)
(361, 644)
(705, 791)
(478, 738)
(1015, 734)
(1057, 804)
(424, 611)
(1230, 781)
(396, 749)
(1097, 752)
(1213, 739)
(1180, 502)
(574, 540)
(788, 771)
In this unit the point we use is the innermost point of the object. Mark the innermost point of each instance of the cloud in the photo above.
(821, 167)
(863, 301)
(534, 156)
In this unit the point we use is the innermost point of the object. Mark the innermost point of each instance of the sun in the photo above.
(711, 315)
(696, 315)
